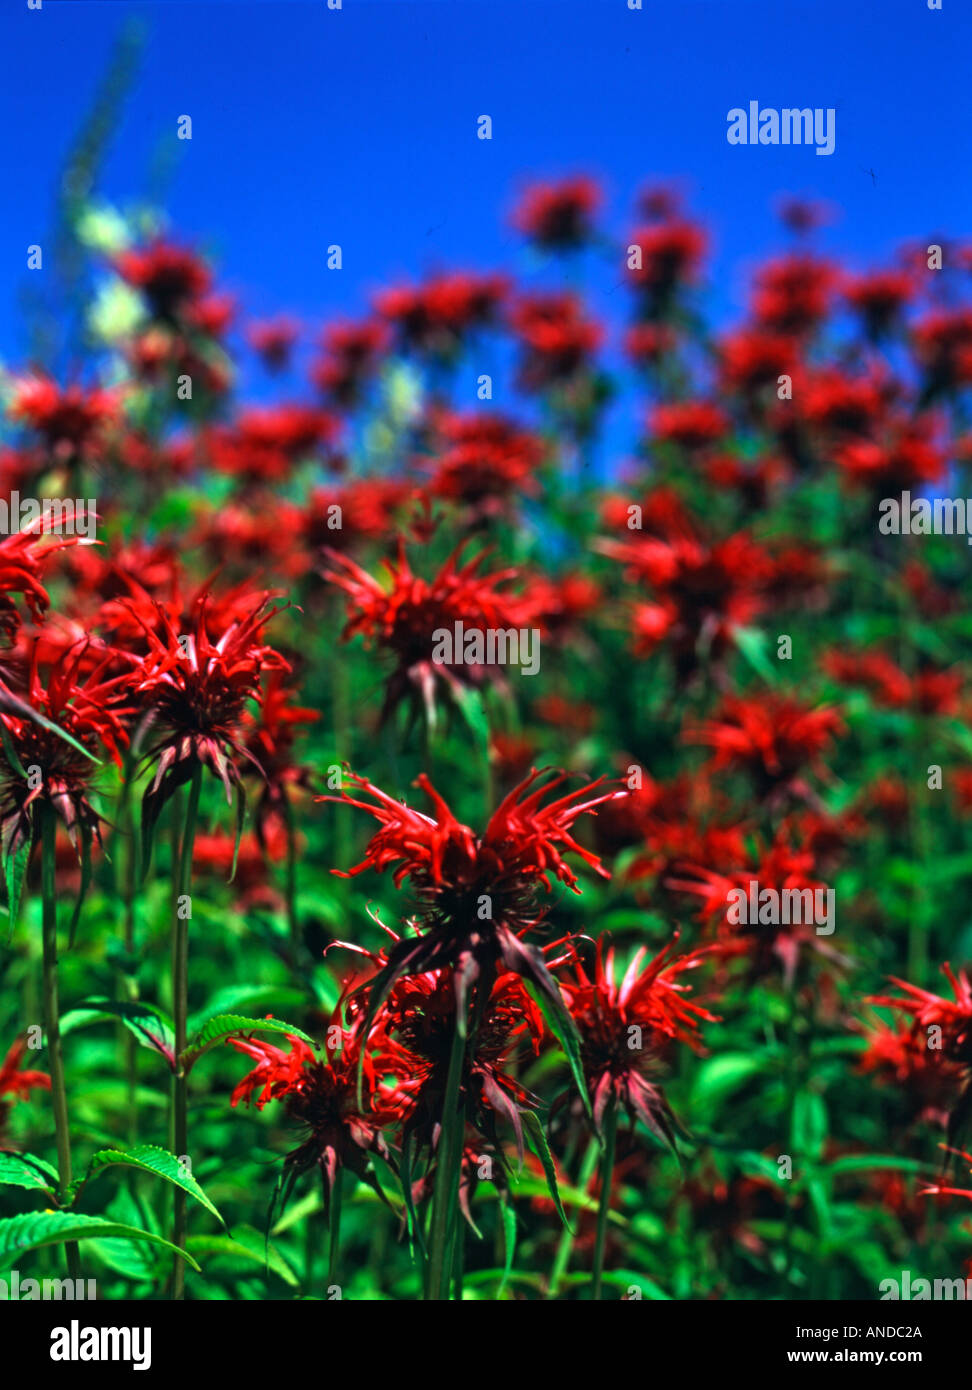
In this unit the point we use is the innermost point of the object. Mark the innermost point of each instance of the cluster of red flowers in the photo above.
(377, 515)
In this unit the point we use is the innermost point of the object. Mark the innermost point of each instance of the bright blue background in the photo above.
(312, 126)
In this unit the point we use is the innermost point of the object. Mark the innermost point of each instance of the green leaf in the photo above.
(35, 1229)
(86, 838)
(810, 1125)
(873, 1163)
(13, 704)
(237, 998)
(560, 1023)
(717, 1077)
(625, 1279)
(240, 822)
(752, 645)
(150, 1025)
(473, 711)
(509, 1242)
(248, 1248)
(149, 1158)
(538, 1143)
(24, 1170)
(14, 873)
(223, 1026)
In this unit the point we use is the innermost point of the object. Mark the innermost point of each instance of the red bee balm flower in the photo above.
(624, 1028)
(198, 690)
(477, 895)
(87, 708)
(773, 738)
(322, 1095)
(405, 616)
(17, 1084)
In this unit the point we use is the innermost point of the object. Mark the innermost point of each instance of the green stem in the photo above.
(52, 1016)
(291, 891)
(566, 1245)
(604, 1206)
(448, 1167)
(335, 1225)
(180, 1014)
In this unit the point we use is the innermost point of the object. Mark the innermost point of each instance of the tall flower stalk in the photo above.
(52, 1015)
(180, 1014)
(195, 692)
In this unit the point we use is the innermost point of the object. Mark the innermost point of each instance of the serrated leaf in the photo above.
(223, 1026)
(35, 1229)
(538, 1143)
(149, 1158)
(150, 1025)
(560, 1023)
(14, 873)
(24, 1170)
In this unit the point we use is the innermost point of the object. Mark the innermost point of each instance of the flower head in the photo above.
(196, 690)
(477, 895)
(321, 1095)
(626, 1026)
(406, 616)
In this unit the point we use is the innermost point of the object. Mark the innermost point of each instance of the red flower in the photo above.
(264, 445)
(879, 297)
(782, 867)
(70, 420)
(671, 253)
(85, 706)
(942, 1026)
(558, 215)
(273, 340)
(792, 295)
(476, 895)
(434, 316)
(625, 1028)
(953, 1018)
(322, 1096)
(169, 276)
(361, 509)
(403, 618)
(20, 570)
(197, 691)
(774, 738)
(753, 359)
(929, 1082)
(17, 1084)
(485, 462)
(903, 455)
(704, 590)
(419, 1019)
(690, 424)
(352, 355)
(270, 736)
(558, 341)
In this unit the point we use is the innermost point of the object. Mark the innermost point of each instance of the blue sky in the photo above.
(312, 126)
